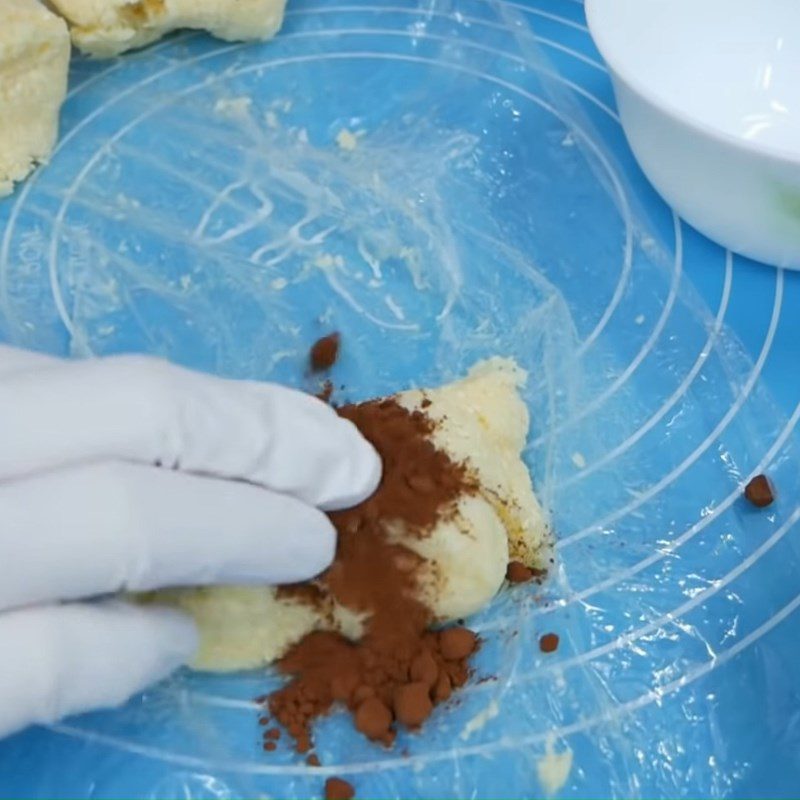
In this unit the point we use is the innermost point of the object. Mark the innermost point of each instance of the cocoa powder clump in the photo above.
(374, 720)
(338, 789)
(759, 491)
(412, 704)
(548, 643)
(324, 352)
(517, 572)
(399, 669)
(457, 643)
(424, 669)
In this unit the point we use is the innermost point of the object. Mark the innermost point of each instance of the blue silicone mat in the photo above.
(203, 205)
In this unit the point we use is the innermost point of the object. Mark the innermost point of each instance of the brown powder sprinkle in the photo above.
(549, 643)
(313, 760)
(338, 789)
(759, 491)
(517, 572)
(400, 668)
(324, 352)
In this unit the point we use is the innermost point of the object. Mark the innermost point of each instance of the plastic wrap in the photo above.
(437, 181)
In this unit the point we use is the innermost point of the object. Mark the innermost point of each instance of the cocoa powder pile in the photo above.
(400, 669)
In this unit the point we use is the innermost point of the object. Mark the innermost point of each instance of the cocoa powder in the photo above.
(400, 669)
(517, 572)
(759, 491)
(338, 789)
(457, 643)
(412, 704)
(324, 352)
(548, 643)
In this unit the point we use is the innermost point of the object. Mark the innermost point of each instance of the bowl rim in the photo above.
(594, 12)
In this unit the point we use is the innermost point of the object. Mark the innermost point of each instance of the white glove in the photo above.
(110, 480)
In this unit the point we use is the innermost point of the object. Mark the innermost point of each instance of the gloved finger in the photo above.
(143, 410)
(12, 359)
(60, 660)
(105, 528)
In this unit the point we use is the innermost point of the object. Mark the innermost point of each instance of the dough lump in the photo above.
(480, 420)
(34, 60)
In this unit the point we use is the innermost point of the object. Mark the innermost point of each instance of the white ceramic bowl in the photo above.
(709, 96)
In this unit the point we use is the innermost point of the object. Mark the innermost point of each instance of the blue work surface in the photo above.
(203, 205)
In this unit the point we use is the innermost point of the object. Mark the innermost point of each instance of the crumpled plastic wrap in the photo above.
(439, 181)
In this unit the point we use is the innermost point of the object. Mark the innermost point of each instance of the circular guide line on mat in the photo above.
(645, 350)
(676, 613)
(670, 402)
(459, 19)
(663, 552)
(686, 536)
(671, 616)
(694, 456)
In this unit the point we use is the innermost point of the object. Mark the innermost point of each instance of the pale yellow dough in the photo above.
(34, 61)
(481, 420)
(105, 28)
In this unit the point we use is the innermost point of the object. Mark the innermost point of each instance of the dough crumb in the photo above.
(346, 140)
(579, 460)
(553, 768)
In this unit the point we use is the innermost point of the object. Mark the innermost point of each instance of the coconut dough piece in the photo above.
(232, 623)
(480, 420)
(106, 28)
(483, 421)
(34, 61)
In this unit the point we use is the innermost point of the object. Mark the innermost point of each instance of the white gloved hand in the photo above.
(129, 474)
